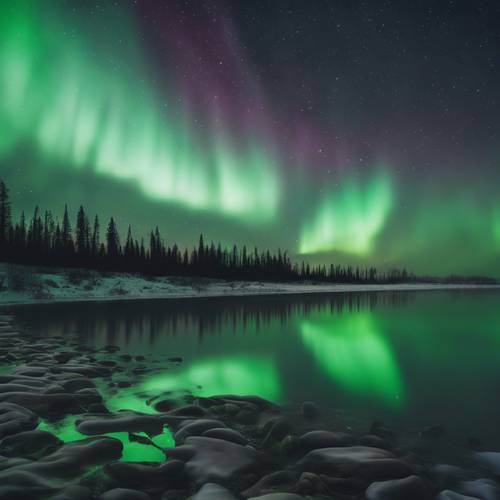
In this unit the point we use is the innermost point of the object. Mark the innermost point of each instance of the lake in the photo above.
(411, 359)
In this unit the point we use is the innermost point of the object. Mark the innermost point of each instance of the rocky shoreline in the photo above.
(60, 439)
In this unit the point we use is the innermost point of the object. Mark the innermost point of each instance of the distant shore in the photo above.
(48, 287)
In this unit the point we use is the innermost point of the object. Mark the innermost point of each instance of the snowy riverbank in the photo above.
(23, 285)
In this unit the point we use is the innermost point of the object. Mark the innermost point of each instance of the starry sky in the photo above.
(361, 132)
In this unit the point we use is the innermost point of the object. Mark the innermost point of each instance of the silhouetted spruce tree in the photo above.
(67, 244)
(82, 234)
(95, 240)
(5, 218)
(113, 242)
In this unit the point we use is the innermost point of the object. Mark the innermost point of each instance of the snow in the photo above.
(56, 285)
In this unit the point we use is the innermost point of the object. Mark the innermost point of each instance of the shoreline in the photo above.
(242, 289)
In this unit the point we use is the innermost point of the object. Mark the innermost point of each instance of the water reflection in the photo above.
(242, 375)
(353, 353)
(426, 358)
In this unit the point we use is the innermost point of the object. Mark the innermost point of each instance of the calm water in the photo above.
(412, 359)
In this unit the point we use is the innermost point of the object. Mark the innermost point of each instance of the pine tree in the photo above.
(5, 216)
(66, 238)
(112, 240)
(95, 241)
(82, 233)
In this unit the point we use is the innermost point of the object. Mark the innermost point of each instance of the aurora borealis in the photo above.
(360, 134)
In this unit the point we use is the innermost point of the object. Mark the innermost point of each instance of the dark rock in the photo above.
(195, 428)
(370, 464)
(15, 418)
(246, 416)
(212, 491)
(187, 411)
(445, 474)
(374, 441)
(50, 404)
(486, 489)
(260, 403)
(34, 480)
(409, 488)
(289, 446)
(74, 493)
(382, 470)
(215, 460)
(276, 430)
(452, 495)
(29, 444)
(120, 422)
(278, 496)
(310, 484)
(324, 439)
(18, 484)
(226, 434)
(124, 494)
(98, 408)
(135, 474)
(309, 409)
(175, 495)
(349, 487)
(282, 480)
(490, 460)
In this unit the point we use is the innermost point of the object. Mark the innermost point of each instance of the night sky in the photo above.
(362, 132)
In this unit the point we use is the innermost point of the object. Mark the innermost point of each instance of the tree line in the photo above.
(44, 240)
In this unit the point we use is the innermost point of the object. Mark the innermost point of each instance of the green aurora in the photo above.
(88, 116)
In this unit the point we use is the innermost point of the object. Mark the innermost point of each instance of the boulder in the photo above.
(282, 480)
(370, 464)
(324, 439)
(195, 428)
(120, 422)
(409, 488)
(124, 494)
(212, 491)
(135, 474)
(453, 495)
(485, 489)
(226, 434)
(29, 444)
(214, 460)
(15, 418)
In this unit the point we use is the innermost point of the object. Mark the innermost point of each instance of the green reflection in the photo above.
(133, 451)
(349, 218)
(232, 375)
(354, 354)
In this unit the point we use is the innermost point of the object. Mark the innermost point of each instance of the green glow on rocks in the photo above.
(354, 354)
(132, 451)
(349, 218)
(239, 375)
(83, 100)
